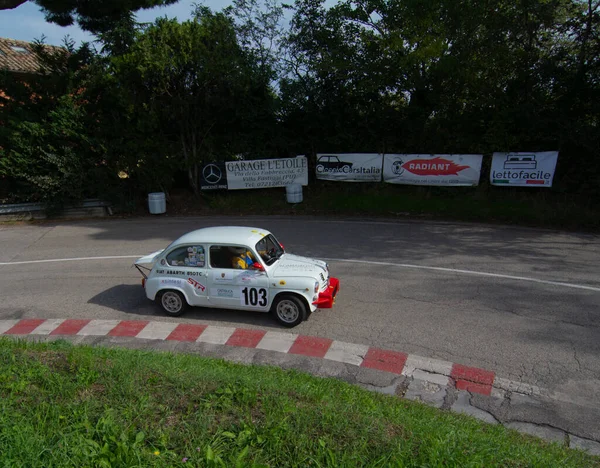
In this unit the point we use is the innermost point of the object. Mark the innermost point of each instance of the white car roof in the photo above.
(223, 235)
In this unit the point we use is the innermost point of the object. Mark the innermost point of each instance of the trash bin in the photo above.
(157, 203)
(294, 193)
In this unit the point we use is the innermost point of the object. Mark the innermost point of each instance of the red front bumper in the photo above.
(327, 297)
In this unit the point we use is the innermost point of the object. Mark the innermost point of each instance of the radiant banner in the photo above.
(432, 169)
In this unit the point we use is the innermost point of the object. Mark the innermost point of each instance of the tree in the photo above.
(48, 152)
(198, 83)
(93, 16)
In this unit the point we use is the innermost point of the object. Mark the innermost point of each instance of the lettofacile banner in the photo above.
(349, 167)
(534, 169)
(432, 169)
(267, 173)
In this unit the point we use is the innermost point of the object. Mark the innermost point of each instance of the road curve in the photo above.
(524, 303)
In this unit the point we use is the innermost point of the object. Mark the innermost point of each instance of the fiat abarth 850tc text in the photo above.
(233, 267)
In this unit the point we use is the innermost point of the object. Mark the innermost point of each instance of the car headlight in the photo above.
(316, 286)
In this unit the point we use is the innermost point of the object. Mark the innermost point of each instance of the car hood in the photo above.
(150, 258)
(295, 265)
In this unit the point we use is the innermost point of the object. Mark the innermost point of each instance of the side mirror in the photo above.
(258, 266)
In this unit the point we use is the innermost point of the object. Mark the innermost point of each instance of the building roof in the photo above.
(19, 56)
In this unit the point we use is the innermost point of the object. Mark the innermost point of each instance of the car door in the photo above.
(234, 288)
(185, 266)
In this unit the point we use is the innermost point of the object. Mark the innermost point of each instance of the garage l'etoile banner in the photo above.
(524, 169)
(259, 173)
(432, 169)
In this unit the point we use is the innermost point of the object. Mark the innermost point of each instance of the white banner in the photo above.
(432, 169)
(266, 173)
(524, 169)
(349, 167)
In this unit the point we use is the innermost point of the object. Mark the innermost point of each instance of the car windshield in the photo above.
(269, 249)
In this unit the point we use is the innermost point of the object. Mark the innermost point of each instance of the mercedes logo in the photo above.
(211, 173)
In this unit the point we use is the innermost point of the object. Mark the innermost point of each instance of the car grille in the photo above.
(324, 282)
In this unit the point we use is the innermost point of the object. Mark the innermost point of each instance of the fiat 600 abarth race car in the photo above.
(235, 267)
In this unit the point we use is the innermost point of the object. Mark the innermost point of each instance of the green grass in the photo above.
(483, 204)
(63, 405)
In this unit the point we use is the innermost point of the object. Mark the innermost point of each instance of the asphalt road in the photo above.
(416, 287)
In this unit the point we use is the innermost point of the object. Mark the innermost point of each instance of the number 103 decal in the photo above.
(254, 297)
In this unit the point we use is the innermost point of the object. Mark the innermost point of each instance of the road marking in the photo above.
(277, 341)
(469, 272)
(76, 259)
(366, 262)
(347, 352)
(216, 335)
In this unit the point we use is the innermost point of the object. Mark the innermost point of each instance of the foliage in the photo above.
(96, 17)
(47, 151)
(200, 88)
(444, 76)
(448, 76)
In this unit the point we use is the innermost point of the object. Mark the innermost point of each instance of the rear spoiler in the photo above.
(146, 259)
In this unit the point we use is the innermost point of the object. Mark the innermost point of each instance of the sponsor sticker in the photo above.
(223, 277)
(172, 281)
(197, 285)
(222, 292)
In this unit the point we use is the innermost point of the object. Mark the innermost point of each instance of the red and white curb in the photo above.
(443, 373)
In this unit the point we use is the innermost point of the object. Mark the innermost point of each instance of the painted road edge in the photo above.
(454, 375)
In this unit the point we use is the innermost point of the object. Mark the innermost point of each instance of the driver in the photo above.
(242, 258)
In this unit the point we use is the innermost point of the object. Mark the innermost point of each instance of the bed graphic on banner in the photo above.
(432, 169)
(524, 169)
(349, 167)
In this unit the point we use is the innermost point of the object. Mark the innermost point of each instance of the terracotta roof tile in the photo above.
(18, 56)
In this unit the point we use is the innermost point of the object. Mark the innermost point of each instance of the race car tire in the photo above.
(172, 302)
(289, 310)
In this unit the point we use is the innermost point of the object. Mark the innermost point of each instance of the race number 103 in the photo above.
(254, 297)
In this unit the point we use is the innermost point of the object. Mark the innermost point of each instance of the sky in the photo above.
(27, 22)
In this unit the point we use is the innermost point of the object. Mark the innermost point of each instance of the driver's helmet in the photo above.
(237, 250)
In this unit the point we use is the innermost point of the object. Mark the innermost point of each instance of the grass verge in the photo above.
(63, 405)
(489, 205)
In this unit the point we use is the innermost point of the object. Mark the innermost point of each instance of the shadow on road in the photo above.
(131, 300)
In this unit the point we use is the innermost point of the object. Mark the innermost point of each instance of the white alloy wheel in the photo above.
(289, 310)
(172, 302)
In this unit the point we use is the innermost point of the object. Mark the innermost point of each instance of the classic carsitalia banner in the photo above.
(432, 169)
(349, 167)
(524, 169)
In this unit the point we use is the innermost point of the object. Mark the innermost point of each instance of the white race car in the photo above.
(234, 267)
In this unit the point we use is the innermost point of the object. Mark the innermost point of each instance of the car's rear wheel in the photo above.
(289, 310)
(172, 302)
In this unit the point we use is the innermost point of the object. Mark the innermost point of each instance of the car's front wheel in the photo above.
(172, 302)
(289, 310)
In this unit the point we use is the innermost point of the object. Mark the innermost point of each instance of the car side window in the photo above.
(189, 256)
(231, 257)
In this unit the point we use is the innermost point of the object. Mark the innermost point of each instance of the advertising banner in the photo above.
(525, 169)
(349, 167)
(213, 177)
(266, 173)
(260, 173)
(432, 169)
